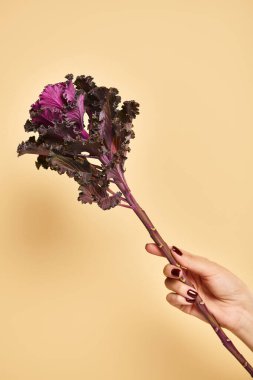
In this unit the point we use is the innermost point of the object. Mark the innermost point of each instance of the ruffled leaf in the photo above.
(45, 117)
(51, 97)
(57, 104)
(85, 196)
(69, 92)
(110, 201)
(84, 83)
(75, 115)
(42, 161)
(32, 147)
(80, 169)
(105, 127)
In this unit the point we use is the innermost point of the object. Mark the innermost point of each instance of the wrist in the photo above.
(245, 329)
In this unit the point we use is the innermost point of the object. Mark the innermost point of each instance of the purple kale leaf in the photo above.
(65, 144)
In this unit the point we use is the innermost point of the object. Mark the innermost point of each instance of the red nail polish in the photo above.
(175, 272)
(190, 300)
(176, 250)
(192, 293)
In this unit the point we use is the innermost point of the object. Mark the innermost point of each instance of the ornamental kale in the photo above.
(65, 144)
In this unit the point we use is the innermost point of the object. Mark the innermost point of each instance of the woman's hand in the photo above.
(226, 296)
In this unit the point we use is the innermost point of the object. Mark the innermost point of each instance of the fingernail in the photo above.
(175, 272)
(176, 250)
(192, 293)
(190, 300)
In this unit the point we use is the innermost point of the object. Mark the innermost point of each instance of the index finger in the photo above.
(153, 248)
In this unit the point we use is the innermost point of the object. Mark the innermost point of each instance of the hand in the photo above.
(226, 296)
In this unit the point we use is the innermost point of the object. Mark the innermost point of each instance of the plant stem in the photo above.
(122, 185)
(112, 192)
(120, 204)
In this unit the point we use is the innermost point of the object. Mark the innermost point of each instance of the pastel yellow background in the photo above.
(79, 296)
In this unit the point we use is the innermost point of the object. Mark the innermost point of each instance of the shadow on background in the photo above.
(34, 219)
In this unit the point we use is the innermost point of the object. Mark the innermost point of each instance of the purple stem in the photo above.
(120, 181)
(120, 204)
(121, 198)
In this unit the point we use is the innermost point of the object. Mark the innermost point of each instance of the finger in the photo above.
(180, 303)
(180, 288)
(177, 300)
(196, 264)
(172, 271)
(153, 248)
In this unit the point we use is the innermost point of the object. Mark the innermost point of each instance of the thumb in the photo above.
(196, 264)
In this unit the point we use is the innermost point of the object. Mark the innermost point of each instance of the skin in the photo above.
(227, 297)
